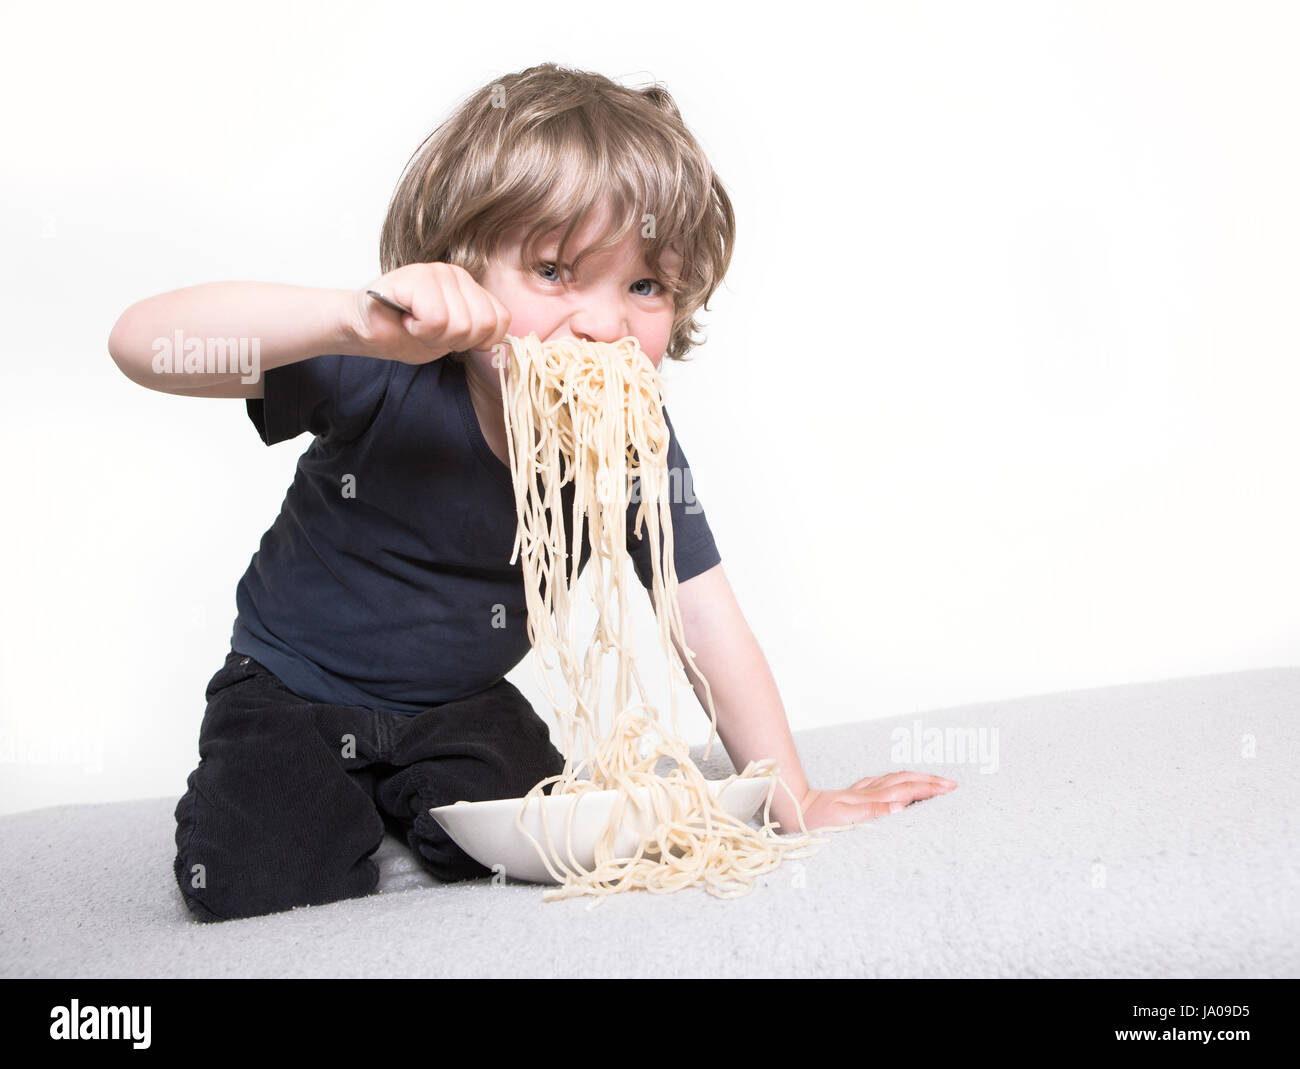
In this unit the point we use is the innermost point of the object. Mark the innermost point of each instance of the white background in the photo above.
(999, 397)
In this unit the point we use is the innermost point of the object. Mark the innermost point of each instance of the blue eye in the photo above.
(548, 272)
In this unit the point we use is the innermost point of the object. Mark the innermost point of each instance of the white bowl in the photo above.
(488, 833)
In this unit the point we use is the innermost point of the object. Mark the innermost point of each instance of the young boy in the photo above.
(365, 682)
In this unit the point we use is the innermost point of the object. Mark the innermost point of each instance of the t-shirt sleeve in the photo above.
(329, 395)
(694, 550)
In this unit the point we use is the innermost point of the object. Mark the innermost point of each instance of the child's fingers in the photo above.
(485, 313)
(900, 795)
(432, 314)
(496, 318)
(907, 793)
(503, 321)
(901, 777)
(459, 329)
(857, 812)
(451, 313)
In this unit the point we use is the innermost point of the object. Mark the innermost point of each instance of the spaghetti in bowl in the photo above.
(490, 831)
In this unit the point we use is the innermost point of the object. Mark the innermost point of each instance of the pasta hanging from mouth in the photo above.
(591, 414)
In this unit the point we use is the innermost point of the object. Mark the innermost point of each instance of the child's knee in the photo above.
(223, 876)
(193, 888)
(246, 895)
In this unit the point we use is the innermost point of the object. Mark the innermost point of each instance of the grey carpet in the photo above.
(1122, 832)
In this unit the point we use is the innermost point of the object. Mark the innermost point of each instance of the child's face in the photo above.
(614, 294)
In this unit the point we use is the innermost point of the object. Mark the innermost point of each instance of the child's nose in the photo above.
(609, 337)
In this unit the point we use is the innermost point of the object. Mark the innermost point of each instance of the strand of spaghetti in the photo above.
(592, 415)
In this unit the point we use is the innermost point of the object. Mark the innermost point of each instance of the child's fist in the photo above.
(451, 314)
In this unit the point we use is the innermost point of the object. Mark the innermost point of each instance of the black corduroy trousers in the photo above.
(292, 797)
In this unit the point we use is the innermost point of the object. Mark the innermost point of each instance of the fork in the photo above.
(389, 303)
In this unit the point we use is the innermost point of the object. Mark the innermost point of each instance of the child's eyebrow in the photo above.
(667, 269)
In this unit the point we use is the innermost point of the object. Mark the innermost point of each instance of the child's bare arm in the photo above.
(452, 313)
(290, 323)
(751, 718)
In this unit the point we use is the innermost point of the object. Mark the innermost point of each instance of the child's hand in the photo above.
(867, 799)
(453, 314)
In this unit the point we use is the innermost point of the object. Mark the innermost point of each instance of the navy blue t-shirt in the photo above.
(386, 578)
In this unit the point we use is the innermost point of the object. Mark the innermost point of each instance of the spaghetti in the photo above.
(591, 414)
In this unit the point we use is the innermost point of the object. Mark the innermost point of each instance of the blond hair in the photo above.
(544, 148)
